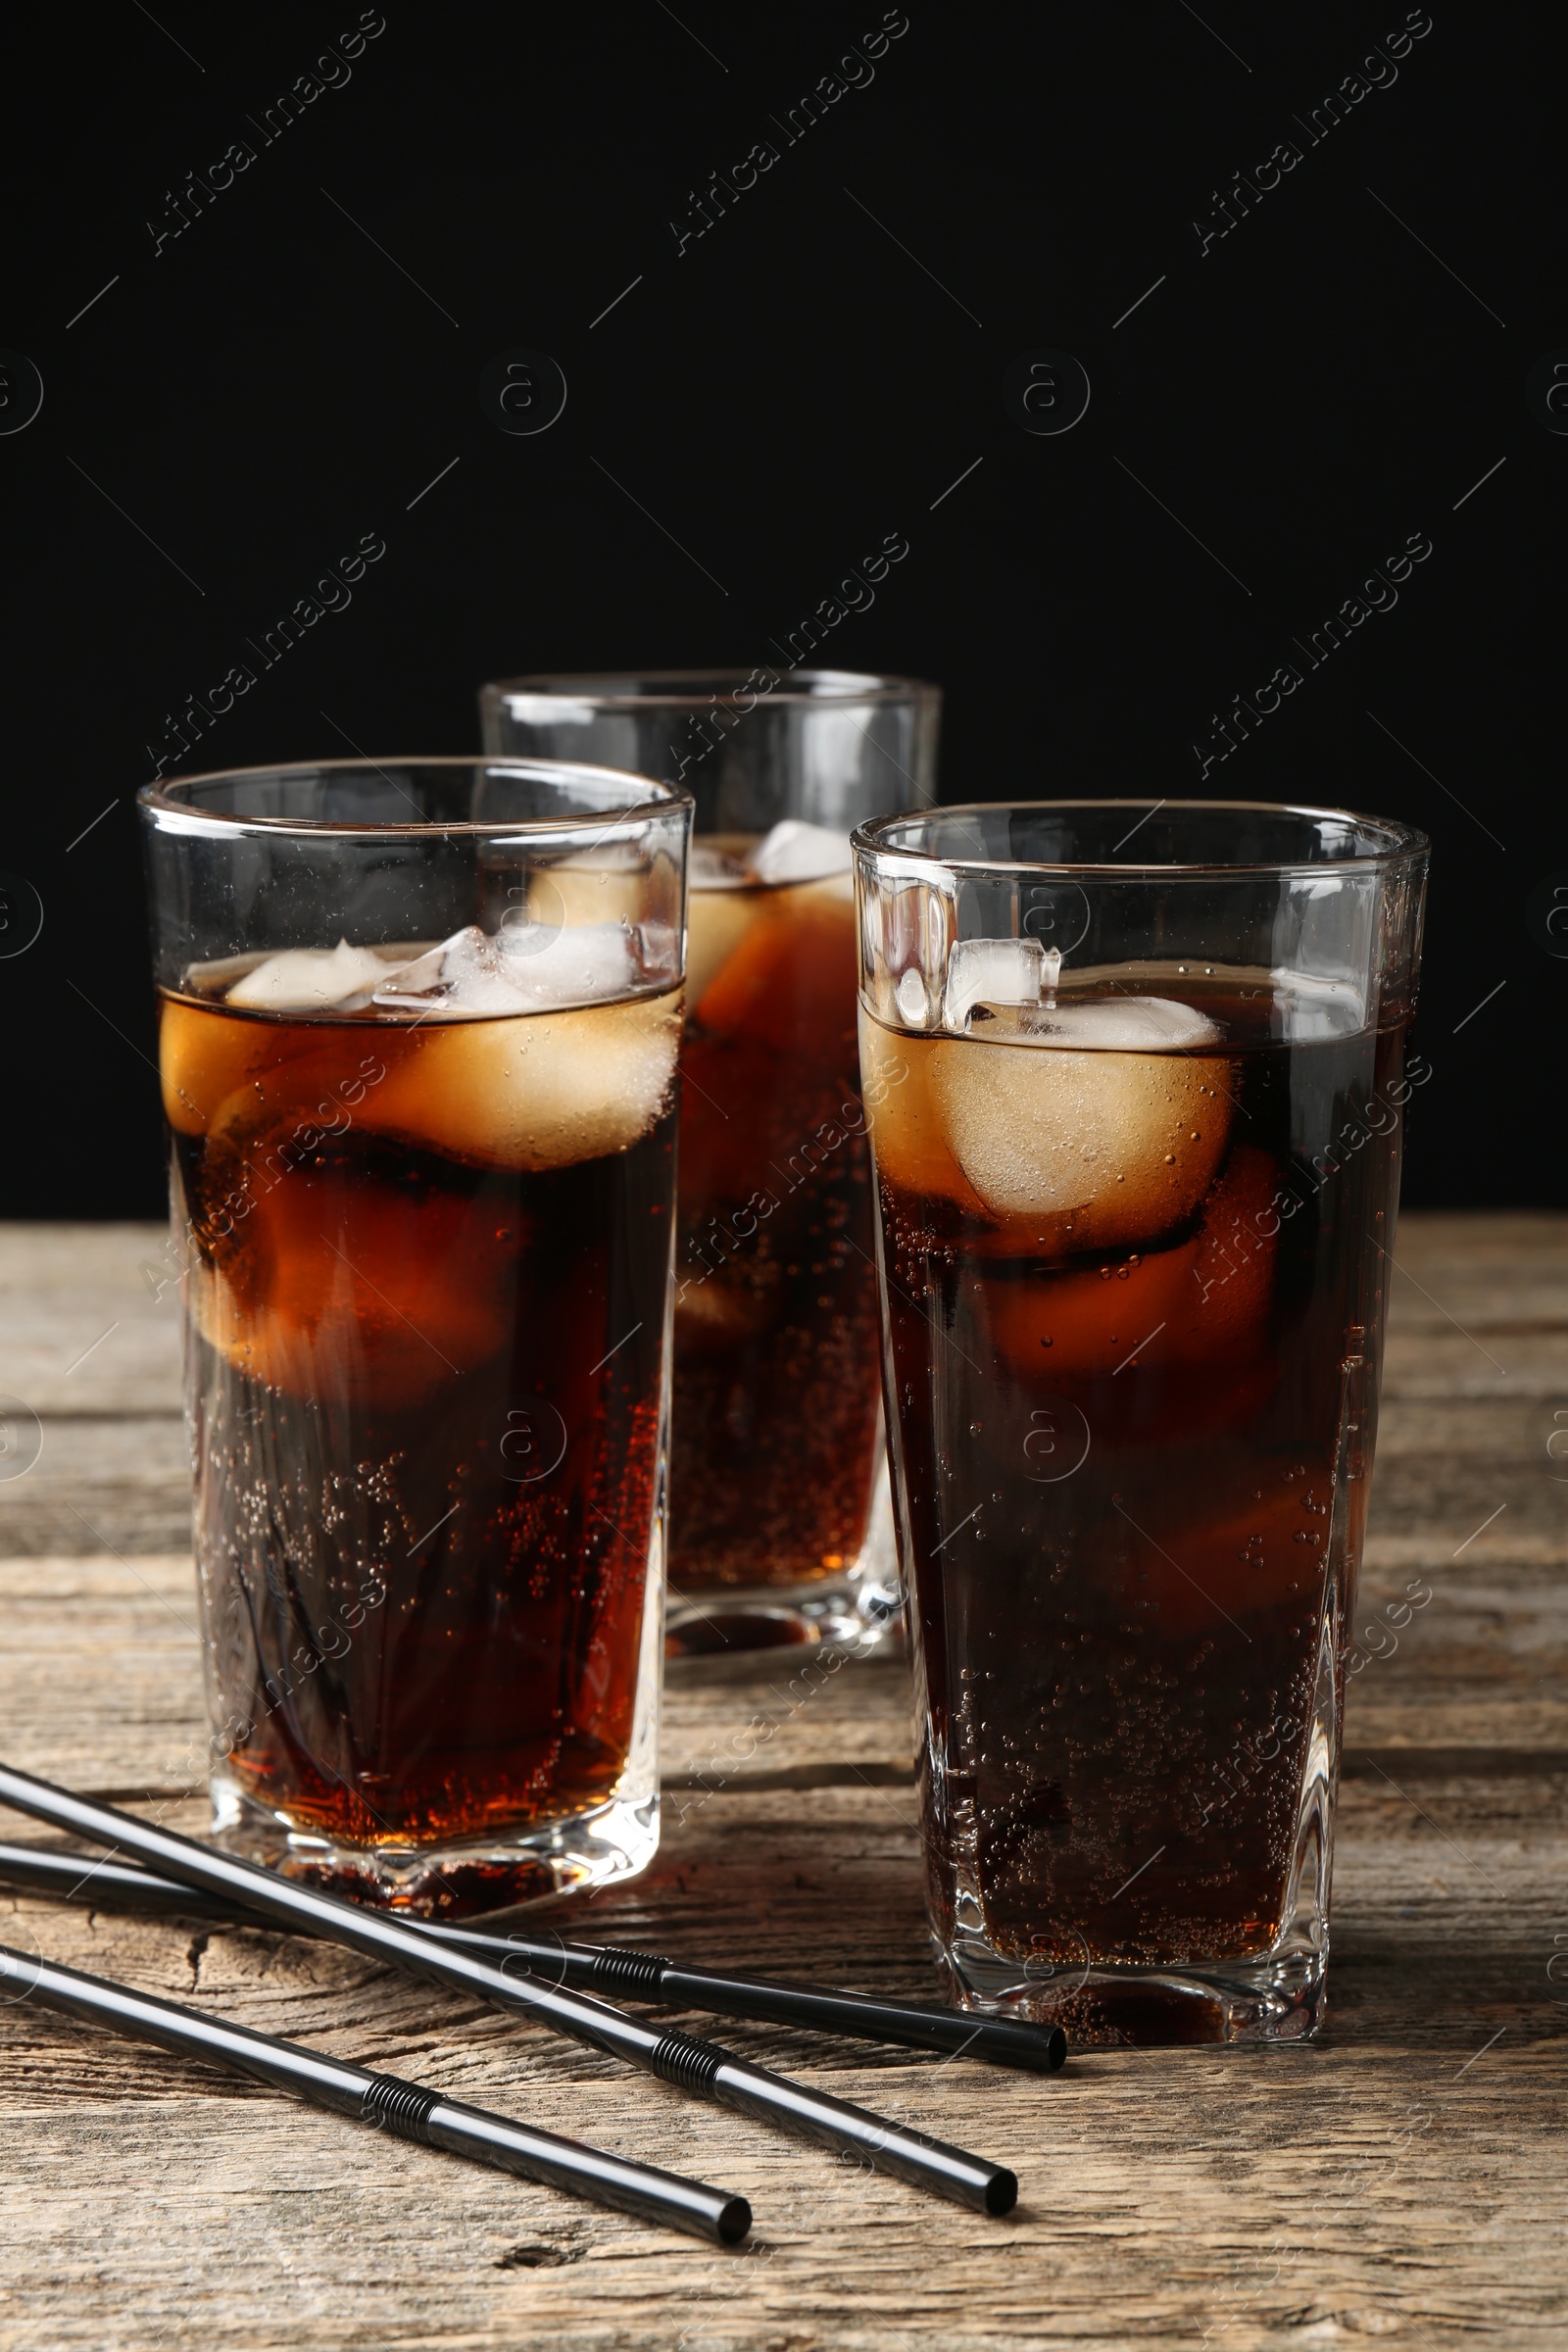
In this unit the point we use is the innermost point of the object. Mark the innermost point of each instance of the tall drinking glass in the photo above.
(779, 1522)
(1136, 1080)
(417, 1030)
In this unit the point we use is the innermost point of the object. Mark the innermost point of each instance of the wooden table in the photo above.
(1403, 2178)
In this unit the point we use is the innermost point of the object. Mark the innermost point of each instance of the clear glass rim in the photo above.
(170, 797)
(827, 687)
(1406, 843)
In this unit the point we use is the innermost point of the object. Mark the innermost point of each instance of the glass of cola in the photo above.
(1137, 1083)
(780, 1530)
(418, 1027)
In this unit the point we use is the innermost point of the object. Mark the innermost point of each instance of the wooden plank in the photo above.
(116, 1483)
(89, 1319)
(1509, 1240)
(57, 1258)
(1439, 1361)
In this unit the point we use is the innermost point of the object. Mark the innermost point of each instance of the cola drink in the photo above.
(427, 1221)
(780, 1528)
(1136, 1234)
(777, 1404)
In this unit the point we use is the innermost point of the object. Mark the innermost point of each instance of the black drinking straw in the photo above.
(702, 2069)
(386, 2102)
(597, 1968)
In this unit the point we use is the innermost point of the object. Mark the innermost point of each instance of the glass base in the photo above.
(1279, 1994)
(744, 1620)
(1281, 1998)
(859, 1608)
(505, 1872)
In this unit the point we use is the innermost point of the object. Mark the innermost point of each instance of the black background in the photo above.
(755, 413)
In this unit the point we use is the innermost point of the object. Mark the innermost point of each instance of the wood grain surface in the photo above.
(1404, 2178)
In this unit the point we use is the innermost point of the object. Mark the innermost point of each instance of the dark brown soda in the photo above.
(425, 1421)
(1127, 1478)
(777, 1396)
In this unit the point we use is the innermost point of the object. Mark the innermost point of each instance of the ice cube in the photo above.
(713, 868)
(656, 948)
(213, 980)
(524, 967)
(203, 1058)
(1205, 1302)
(717, 919)
(338, 979)
(463, 975)
(712, 1314)
(340, 1269)
(417, 980)
(907, 1130)
(1100, 1143)
(542, 1092)
(1122, 1025)
(788, 981)
(795, 852)
(608, 891)
(1307, 1005)
(1003, 971)
(590, 963)
(911, 993)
